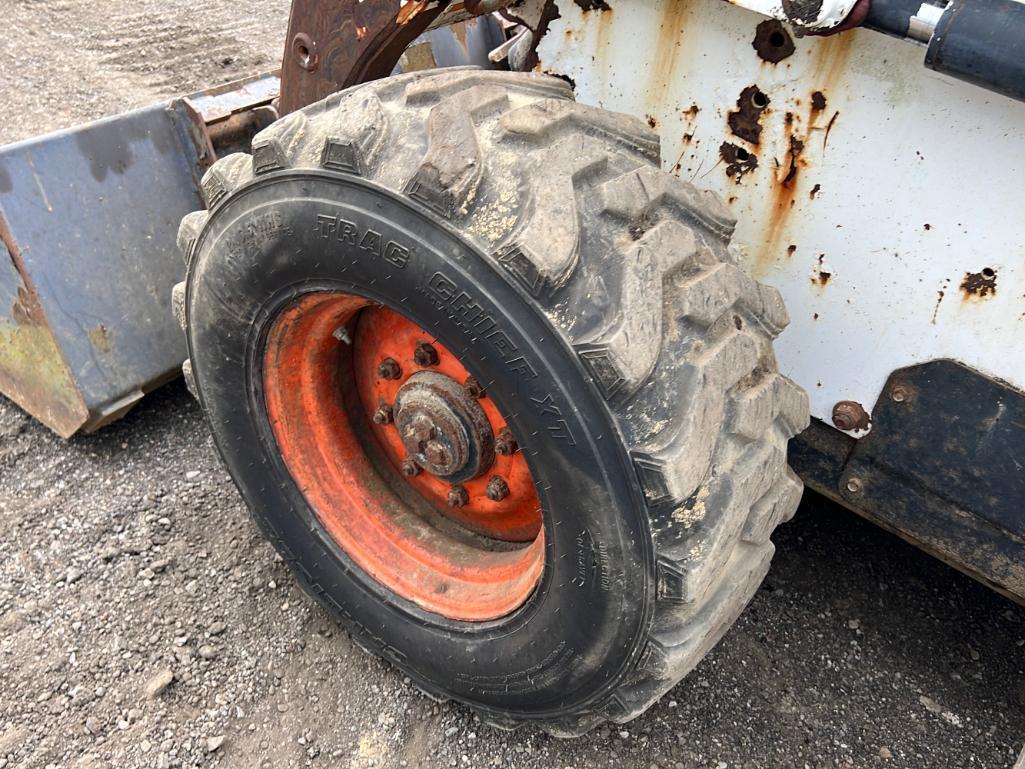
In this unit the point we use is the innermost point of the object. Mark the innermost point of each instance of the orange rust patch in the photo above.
(829, 58)
(738, 160)
(979, 285)
(745, 120)
(772, 41)
(821, 276)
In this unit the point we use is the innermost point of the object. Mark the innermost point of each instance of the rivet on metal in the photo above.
(899, 394)
(425, 354)
(458, 496)
(854, 485)
(389, 369)
(498, 489)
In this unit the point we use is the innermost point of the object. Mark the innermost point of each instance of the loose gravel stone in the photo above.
(158, 683)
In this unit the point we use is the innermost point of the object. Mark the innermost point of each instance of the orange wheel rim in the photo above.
(405, 460)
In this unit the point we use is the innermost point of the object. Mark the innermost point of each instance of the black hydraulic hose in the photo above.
(982, 42)
(892, 17)
(979, 41)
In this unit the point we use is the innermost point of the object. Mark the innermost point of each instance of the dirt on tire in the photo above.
(630, 265)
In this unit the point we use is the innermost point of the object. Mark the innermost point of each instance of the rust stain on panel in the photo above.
(773, 42)
(979, 285)
(821, 275)
(828, 60)
(667, 46)
(745, 120)
(738, 160)
(939, 299)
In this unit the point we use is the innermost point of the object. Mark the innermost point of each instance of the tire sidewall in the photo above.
(577, 635)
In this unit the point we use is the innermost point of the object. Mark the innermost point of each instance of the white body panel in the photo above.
(908, 182)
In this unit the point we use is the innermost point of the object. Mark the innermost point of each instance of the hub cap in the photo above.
(443, 428)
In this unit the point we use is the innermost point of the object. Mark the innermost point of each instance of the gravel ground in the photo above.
(144, 623)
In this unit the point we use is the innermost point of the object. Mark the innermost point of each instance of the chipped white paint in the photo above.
(907, 181)
(830, 14)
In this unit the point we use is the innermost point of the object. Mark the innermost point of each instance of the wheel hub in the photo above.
(443, 429)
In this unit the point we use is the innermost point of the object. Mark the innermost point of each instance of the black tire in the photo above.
(620, 334)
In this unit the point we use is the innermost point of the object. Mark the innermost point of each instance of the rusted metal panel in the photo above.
(882, 199)
(333, 45)
(942, 468)
(89, 221)
(33, 372)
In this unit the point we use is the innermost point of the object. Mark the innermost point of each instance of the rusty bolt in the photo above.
(504, 443)
(854, 485)
(410, 468)
(498, 489)
(438, 454)
(383, 415)
(389, 369)
(425, 354)
(457, 496)
(473, 388)
(899, 394)
(848, 415)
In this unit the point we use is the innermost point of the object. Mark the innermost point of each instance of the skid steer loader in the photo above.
(495, 352)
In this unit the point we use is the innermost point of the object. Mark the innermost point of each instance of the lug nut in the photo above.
(410, 468)
(437, 454)
(389, 369)
(498, 489)
(504, 443)
(383, 415)
(473, 388)
(425, 354)
(457, 496)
